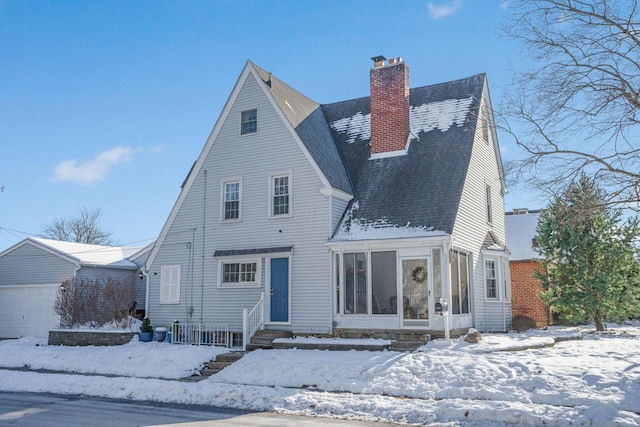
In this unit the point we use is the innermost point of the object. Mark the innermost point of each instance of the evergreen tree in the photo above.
(591, 270)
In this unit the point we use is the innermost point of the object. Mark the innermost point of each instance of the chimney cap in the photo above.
(378, 58)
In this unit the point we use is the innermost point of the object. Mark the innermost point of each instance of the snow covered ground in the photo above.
(591, 382)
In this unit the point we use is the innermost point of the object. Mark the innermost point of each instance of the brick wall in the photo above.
(525, 300)
(389, 107)
(74, 338)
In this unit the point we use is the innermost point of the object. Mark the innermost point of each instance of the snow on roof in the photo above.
(380, 229)
(521, 230)
(422, 118)
(92, 254)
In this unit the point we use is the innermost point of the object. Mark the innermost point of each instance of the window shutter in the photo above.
(170, 284)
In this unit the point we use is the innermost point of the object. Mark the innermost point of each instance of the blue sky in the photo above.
(106, 104)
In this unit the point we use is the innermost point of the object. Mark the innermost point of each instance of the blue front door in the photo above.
(279, 289)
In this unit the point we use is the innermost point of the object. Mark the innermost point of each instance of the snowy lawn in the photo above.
(594, 381)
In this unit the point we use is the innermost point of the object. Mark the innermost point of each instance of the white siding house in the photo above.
(338, 222)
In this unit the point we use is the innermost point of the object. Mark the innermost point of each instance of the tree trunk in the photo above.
(597, 320)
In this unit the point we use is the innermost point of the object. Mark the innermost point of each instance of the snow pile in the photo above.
(135, 359)
(440, 115)
(594, 381)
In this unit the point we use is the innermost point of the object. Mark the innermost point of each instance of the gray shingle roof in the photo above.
(422, 188)
(306, 117)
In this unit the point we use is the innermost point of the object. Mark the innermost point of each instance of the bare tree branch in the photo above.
(578, 108)
(83, 229)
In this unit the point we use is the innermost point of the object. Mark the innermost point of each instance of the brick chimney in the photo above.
(389, 107)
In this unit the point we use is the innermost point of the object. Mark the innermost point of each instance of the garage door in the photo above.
(27, 311)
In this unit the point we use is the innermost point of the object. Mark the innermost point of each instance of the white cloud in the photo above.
(440, 11)
(94, 169)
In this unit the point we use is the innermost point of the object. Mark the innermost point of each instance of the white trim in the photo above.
(272, 177)
(239, 260)
(386, 154)
(488, 203)
(495, 279)
(268, 290)
(338, 194)
(223, 192)
(241, 122)
(395, 244)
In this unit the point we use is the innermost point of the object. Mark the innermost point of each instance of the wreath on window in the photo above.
(419, 274)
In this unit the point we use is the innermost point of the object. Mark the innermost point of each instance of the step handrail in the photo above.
(252, 320)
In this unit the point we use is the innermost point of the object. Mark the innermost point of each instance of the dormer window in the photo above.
(249, 121)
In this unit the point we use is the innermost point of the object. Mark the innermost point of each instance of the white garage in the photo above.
(27, 310)
(31, 272)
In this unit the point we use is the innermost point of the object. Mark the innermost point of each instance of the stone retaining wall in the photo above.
(75, 338)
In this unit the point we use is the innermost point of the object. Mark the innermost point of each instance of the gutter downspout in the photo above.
(145, 273)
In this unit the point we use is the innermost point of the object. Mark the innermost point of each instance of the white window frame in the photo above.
(170, 278)
(223, 201)
(488, 204)
(240, 284)
(243, 122)
(272, 177)
(495, 278)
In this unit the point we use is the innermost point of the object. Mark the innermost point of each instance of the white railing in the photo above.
(252, 320)
(200, 334)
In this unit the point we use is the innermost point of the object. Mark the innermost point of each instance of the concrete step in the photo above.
(220, 362)
(230, 357)
(273, 334)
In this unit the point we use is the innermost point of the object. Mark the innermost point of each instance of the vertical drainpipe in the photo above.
(145, 274)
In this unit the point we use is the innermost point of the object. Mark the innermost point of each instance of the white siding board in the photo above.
(30, 265)
(471, 224)
(251, 157)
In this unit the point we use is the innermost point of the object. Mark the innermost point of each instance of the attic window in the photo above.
(249, 121)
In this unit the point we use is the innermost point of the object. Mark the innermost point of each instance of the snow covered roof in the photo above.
(521, 231)
(91, 254)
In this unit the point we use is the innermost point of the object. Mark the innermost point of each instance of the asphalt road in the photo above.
(47, 410)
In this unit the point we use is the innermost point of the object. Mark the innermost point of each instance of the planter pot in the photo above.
(145, 336)
(160, 334)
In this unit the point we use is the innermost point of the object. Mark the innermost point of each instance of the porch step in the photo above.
(220, 362)
(263, 339)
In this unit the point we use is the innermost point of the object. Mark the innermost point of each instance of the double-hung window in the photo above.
(490, 279)
(231, 203)
(280, 195)
(249, 121)
(240, 273)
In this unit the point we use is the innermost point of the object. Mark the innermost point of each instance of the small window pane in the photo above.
(490, 278)
(249, 121)
(232, 201)
(383, 282)
(281, 195)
